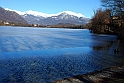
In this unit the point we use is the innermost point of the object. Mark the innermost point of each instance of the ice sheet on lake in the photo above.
(22, 39)
(41, 55)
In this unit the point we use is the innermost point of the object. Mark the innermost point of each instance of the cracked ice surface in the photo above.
(21, 39)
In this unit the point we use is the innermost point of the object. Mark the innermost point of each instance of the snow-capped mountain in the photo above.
(55, 19)
(34, 17)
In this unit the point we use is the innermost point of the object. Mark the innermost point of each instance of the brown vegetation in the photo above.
(110, 19)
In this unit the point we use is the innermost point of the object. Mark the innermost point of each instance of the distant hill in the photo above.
(63, 17)
(11, 16)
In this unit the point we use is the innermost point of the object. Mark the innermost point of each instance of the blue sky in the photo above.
(85, 7)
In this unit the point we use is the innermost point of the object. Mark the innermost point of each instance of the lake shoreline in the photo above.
(114, 74)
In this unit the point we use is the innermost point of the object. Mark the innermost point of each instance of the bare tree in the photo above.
(117, 9)
(116, 6)
(99, 20)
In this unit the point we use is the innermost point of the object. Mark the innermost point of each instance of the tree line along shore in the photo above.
(109, 19)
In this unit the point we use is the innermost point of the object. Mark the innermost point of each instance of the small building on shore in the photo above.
(6, 23)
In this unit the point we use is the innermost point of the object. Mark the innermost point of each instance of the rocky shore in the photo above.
(109, 75)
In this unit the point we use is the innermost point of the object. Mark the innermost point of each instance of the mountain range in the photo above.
(34, 17)
(63, 17)
(11, 16)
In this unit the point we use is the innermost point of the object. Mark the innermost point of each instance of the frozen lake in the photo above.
(42, 55)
